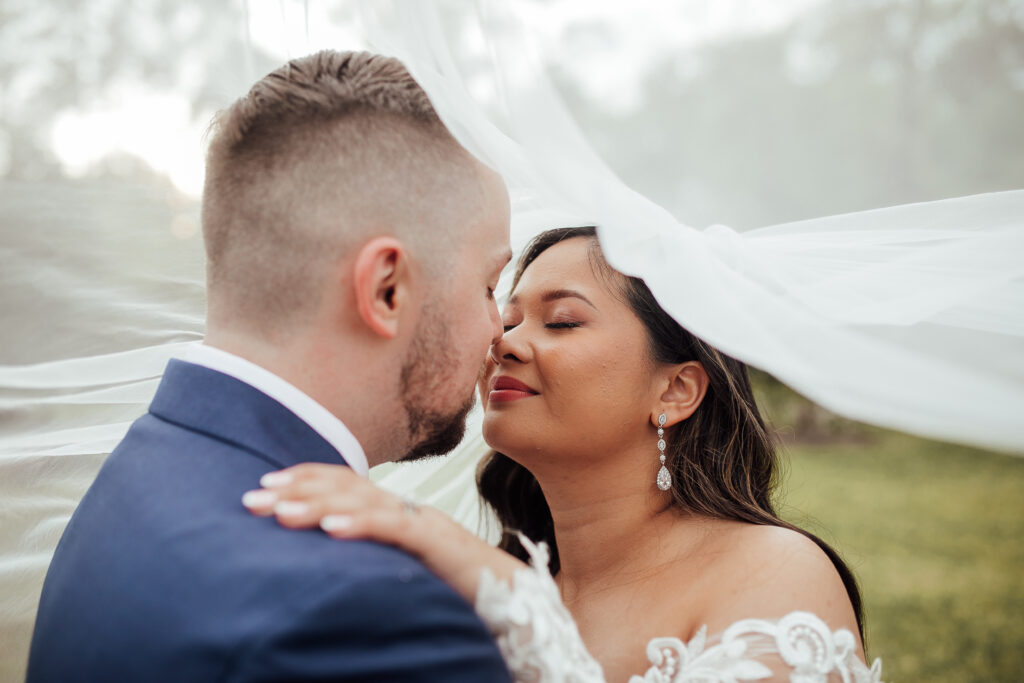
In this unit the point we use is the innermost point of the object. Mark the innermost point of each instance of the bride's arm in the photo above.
(519, 603)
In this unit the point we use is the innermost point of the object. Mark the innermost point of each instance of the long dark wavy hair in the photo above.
(722, 458)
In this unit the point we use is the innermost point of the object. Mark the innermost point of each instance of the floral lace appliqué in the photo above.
(534, 631)
(801, 641)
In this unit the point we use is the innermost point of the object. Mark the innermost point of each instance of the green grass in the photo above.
(935, 534)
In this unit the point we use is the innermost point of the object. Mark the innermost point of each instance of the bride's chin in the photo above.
(512, 433)
(490, 440)
(496, 435)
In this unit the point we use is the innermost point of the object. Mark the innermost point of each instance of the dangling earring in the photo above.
(664, 477)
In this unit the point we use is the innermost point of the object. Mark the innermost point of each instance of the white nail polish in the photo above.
(290, 508)
(335, 522)
(259, 499)
(272, 479)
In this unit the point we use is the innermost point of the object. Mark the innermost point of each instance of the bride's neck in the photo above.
(610, 525)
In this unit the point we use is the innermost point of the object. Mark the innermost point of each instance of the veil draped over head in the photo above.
(909, 317)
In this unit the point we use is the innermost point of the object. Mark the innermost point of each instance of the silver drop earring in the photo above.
(664, 480)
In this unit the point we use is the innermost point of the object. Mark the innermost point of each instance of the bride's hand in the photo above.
(348, 506)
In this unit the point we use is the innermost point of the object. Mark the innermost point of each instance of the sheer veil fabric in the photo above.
(883, 316)
(909, 317)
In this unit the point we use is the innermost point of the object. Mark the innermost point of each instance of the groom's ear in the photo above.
(380, 284)
(687, 386)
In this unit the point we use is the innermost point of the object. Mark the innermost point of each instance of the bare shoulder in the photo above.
(776, 550)
(768, 572)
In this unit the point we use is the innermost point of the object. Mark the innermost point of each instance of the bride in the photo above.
(632, 463)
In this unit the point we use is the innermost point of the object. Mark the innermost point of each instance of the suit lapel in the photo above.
(230, 410)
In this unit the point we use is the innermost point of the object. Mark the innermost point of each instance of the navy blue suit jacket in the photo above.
(162, 575)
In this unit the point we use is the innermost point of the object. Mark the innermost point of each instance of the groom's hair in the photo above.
(321, 155)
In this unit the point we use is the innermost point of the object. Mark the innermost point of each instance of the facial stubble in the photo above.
(430, 363)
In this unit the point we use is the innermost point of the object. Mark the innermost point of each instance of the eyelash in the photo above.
(550, 326)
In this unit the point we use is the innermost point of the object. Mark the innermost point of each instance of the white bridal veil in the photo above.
(909, 317)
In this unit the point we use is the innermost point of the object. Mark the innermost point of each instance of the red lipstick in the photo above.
(504, 388)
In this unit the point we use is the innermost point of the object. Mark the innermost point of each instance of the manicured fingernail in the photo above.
(259, 499)
(290, 508)
(273, 479)
(335, 522)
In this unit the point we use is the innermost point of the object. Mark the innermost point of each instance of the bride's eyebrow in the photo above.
(554, 295)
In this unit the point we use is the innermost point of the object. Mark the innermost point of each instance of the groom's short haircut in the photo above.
(321, 155)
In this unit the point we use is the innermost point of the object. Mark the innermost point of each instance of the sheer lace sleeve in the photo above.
(541, 644)
(535, 632)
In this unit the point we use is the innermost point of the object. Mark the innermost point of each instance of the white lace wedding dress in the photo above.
(541, 644)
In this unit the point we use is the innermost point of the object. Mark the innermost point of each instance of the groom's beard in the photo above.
(429, 364)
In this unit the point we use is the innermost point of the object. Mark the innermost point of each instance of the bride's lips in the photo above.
(504, 388)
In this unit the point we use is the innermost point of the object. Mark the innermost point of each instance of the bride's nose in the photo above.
(511, 347)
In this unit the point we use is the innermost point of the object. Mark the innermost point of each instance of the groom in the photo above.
(353, 247)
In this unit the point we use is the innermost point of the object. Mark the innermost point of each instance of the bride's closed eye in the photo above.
(560, 325)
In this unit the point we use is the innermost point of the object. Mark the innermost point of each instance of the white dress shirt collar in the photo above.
(325, 423)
